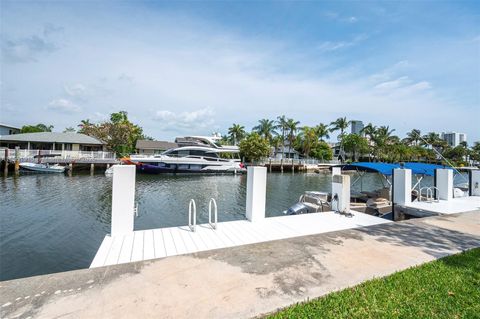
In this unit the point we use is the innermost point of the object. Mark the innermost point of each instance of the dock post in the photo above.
(92, 168)
(281, 165)
(70, 168)
(123, 199)
(401, 189)
(336, 170)
(5, 169)
(474, 183)
(17, 160)
(341, 193)
(256, 193)
(444, 183)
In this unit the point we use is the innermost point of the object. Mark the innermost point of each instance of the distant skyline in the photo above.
(192, 68)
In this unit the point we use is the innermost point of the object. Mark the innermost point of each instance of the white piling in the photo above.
(475, 183)
(444, 183)
(336, 170)
(256, 193)
(123, 199)
(341, 193)
(402, 186)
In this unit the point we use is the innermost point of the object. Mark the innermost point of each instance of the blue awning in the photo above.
(383, 168)
(386, 168)
(423, 168)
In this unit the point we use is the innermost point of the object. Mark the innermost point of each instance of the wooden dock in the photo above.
(164, 242)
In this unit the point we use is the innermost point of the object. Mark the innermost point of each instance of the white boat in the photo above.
(43, 168)
(195, 154)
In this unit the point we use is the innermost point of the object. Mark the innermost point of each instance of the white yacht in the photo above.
(194, 154)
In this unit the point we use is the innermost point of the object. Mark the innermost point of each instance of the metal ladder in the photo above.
(192, 214)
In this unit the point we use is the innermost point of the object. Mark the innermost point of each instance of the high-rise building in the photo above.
(357, 127)
(453, 138)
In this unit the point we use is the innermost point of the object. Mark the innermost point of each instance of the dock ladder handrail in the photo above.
(192, 208)
(429, 192)
(215, 213)
(435, 195)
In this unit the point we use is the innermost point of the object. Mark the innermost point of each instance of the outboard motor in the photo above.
(297, 209)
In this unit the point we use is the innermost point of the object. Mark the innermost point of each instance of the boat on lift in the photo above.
(43, 167)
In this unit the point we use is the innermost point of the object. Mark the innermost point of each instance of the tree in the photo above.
(431, 139)
(340, 124)
(266, 128)
(413, 137)
(355, 144)
(236, 132)
(291, 126)
(307, 139)
(254, 147)
(322, 151)
(119, 133)
(282, 125)
(36, 128)
(322, 131)
(69, 130)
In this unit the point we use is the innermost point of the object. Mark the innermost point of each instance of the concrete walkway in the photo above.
(244, 281)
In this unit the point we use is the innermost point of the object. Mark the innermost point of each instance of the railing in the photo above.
(429, 198)
(29, 154)
(296, 161)
(215, 214)
(192, 210)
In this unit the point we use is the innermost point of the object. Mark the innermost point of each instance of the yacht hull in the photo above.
(177, 169)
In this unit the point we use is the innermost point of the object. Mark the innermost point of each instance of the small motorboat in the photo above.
(316, 202)
(43, 168)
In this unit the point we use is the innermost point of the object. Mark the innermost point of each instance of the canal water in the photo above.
(54, 222)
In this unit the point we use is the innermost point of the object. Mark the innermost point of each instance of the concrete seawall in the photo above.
(244, 281)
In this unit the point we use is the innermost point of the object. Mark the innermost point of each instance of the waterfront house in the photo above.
(286, 152)
(147, 147)
(8, 130)
(63, 145)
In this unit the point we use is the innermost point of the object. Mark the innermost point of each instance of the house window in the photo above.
(68, 147)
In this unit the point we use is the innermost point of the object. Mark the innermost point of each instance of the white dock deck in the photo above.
(164, 242)
(453, 206)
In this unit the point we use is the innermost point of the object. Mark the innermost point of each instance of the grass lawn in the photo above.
(445, 288)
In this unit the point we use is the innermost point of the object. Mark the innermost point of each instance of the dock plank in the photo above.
(137, 251)
(148, 245)
(102, 253)
(114, 252)
(127, 247)
(170, 248)
(160, 250)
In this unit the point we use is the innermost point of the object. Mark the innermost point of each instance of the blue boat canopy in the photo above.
(387, 168)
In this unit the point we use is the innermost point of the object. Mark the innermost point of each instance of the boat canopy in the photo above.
(387, 168)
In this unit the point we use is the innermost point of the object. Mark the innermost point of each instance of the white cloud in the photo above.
(78, 91)
(178, 121)
(403, 85)
(329, 46)
(63, 106)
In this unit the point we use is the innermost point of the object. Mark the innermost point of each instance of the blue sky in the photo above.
(197, 67)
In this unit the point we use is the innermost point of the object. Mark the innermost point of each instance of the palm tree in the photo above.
(383, 138)
(340, 124)
(84, 123)
(236, 132)
(282, 125)
(292, 130)
(322, 131)
(413, 137)
(431, 139)
(308, 139)
(266, 128)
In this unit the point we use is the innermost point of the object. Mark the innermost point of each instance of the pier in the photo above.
(244, 281)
